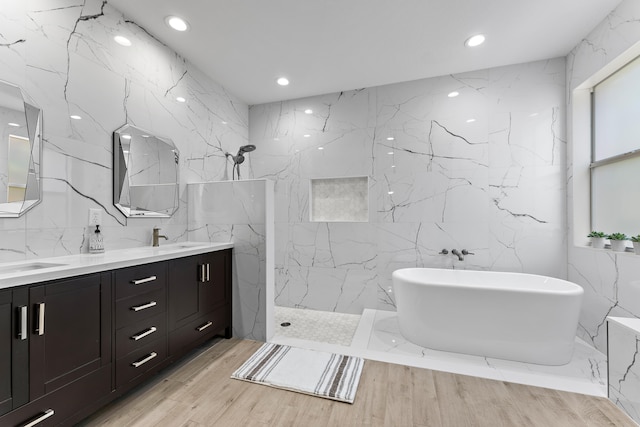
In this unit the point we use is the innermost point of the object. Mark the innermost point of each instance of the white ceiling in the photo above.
(326, 46)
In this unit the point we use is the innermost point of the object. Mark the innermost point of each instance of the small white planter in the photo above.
(618, 245)
(597, 242)
(636, 247)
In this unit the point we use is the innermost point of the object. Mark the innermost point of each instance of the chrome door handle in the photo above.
(144, 334)
(40, 326)
(22, 319)
(145, 280)
(208, 277)
(48, 413)
(205, 326)
(144, 306)
(203, 274)
(141, 362)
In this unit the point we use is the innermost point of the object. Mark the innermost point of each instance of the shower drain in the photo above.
(285, 324)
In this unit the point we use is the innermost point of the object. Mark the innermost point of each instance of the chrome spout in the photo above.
(157, 236)
(458, 254)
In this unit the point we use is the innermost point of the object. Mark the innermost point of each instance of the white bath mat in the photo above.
(328, 375)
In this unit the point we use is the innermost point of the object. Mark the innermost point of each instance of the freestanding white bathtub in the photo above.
(513, 316)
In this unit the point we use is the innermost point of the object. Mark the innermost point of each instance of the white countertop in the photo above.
(44, 269)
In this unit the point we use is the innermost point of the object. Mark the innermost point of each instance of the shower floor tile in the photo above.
(320, 326)
(378, 337)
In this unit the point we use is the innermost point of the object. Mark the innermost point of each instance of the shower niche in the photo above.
(339, 199)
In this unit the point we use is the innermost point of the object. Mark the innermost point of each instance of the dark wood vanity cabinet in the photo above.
(68, 331)
(69, 346)
(14, 368)
(199, 299)
(140, 321)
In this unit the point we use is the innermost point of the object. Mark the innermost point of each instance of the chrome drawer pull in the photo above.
(48, 413)
(22, 328)
(145, 280)
(40, 326)
(139, 363)
(144, 334)
(205, 326)
(144, 306)
(208, 277)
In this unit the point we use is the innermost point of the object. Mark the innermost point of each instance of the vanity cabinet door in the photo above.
(14, 387)
(70, 332)
(215, 289)
(199, 299)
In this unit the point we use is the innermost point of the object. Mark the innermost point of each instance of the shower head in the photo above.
(246, 149)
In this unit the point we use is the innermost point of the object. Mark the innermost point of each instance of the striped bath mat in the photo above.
(328, 375)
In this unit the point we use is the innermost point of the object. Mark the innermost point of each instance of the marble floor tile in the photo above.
(378, 337)
(314, 325)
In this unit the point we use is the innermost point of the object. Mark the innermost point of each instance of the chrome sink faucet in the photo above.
(156, 237)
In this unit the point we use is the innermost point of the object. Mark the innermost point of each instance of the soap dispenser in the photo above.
(96, 244)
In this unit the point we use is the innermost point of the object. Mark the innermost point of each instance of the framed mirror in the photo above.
(145, 173)
(20, 151)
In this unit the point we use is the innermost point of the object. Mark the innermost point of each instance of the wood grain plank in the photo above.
(199, 392)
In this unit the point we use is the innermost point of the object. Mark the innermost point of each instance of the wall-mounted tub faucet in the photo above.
(458, 254)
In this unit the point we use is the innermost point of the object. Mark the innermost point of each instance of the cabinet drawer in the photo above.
(197, 331)
(142, 278)
(140, 361)
(140, 307)
(139, 334)
(64, 402)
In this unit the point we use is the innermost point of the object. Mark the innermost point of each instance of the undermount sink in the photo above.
(29, 267)
(173, 247)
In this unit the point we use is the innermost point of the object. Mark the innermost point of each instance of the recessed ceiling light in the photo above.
(122, 41)
(390, 152)
(224, 122)
(453, 94)
(390, 138)
(180, 99)
(283, 81)
(389, 192)
(471, 120)
(75, 117)
(177, 23)
(308, 111)
(15, 125)
(306, 135)
(320, 148)
(474, 41)
(393, 166)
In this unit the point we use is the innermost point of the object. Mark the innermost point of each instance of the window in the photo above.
(615, 154)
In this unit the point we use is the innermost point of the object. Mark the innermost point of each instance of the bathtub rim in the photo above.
(568, 288)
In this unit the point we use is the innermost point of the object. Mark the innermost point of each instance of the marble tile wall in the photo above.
(611, 280)
(483, 171)
(624, 365)
(239, 211)
(63, 54)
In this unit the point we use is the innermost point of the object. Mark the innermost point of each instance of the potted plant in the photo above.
(618, 241)
(597, 239)
(636, 244)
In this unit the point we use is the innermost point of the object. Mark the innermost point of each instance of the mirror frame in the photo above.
(120, 174)
(35, 145)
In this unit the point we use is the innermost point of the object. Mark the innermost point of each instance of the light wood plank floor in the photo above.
(200, 392)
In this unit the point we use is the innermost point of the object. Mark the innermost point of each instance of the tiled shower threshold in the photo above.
(377, 337)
